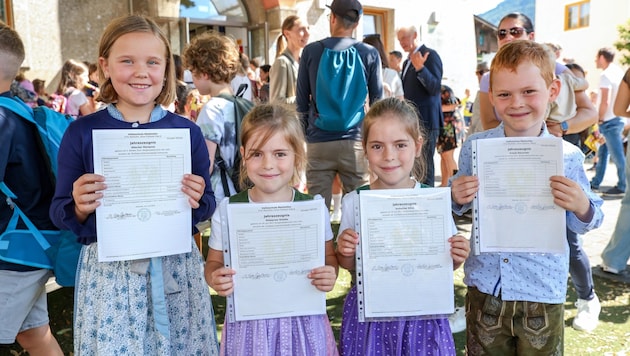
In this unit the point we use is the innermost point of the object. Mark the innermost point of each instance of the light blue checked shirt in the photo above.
(533, 277)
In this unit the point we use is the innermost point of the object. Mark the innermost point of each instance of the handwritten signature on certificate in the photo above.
(514, 206)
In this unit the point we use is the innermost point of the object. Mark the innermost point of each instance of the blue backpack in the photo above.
(49, 249)
(342, 89)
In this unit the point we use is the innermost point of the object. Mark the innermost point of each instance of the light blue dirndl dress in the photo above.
(156, 306)
(115, 309)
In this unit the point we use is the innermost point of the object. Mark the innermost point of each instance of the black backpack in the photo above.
(241, 107)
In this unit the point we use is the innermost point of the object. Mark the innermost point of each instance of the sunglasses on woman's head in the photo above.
(514, 32)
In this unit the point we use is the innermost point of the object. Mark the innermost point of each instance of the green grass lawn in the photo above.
(612, 337)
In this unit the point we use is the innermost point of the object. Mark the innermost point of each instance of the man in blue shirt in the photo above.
(335, 152)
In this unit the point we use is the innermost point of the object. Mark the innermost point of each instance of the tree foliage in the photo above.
(187, 3)
(623, 44)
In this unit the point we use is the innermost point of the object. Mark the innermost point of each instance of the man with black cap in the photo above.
(334, 141)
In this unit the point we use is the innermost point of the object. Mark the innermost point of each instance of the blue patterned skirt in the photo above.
(115, 311)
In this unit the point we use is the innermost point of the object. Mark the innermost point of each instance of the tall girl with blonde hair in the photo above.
(148, 306)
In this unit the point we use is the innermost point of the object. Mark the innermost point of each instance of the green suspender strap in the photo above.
(243, 197)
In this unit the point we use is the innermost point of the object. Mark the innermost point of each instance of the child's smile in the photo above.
(391, 153)
(521, 98)
(270, 167)
(136, 67)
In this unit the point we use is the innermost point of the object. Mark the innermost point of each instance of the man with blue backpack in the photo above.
(337, 76)
(23, 168)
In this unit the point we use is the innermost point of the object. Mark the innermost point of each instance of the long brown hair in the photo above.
(70, 74)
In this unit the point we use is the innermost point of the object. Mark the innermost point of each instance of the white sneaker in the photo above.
(587, 316)
(609, 269)
(457, 320)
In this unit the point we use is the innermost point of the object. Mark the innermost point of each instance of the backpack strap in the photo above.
(241, 90)
(18, 107)
(218, 159)
(289, 57)
(17, 215)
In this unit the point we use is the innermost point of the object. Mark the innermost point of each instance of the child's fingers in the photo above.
(324, 285)
(323, 278)
(346, 248)
(87, 191)
(194, 182)
(222, 281)
(193, 203)
(569, 195)
(459, 255)
(88, 184)
(193, 186)
(463, 189)
(347, 242)
(460, 248)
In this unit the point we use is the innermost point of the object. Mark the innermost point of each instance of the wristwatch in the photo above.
(565, 127)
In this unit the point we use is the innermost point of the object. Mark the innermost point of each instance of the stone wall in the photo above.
(54, 31)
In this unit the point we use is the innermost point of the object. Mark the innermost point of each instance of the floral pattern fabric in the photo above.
(114, 313)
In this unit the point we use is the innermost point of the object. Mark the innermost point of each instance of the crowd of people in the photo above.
(298, 144)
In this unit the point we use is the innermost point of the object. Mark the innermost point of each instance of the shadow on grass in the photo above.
(611, 335)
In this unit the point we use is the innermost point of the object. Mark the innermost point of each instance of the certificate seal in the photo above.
(520, 208)
(144, 214)
(406, 270)
(280, 276)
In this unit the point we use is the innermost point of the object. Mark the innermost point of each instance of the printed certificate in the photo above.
(273, 247)
(404, 265)
(514, 207)
(143, 212)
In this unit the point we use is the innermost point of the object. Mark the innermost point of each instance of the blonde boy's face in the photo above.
(521, 98)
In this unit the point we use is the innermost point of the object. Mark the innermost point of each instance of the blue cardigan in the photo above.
(76, 159)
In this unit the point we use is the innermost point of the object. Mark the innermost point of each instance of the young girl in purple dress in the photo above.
(392, 141)
(273, 152)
